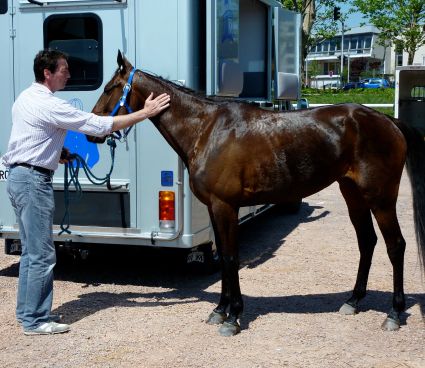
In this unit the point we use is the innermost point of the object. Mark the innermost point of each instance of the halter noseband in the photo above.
(123, 102)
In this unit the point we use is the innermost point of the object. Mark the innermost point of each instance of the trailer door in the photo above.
(90, 32)
(287, 46)
(6, 98)
(239, 48)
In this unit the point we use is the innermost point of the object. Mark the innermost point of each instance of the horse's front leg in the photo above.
(230, 273)
(225, 223)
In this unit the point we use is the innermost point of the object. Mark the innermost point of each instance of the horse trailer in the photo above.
(409, 104)
(243, 49)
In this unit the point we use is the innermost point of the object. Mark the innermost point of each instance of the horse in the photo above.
(238, 155)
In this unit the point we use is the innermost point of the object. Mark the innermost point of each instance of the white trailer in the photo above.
(409, 104)
(220, 47)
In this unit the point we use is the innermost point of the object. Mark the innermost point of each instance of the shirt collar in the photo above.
(41, 88)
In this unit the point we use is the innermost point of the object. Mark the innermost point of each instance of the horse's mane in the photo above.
(198, 95)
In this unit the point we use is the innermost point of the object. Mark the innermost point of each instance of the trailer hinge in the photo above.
(13, 10)
(154, 234)
(12, 33)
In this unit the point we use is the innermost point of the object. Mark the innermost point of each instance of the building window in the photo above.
(3, 6)
(361, 43)
(325, 68)
(353, 44)
(418, 92)
(325, 46)
(399, 59)
(368, 42)
(80, 37)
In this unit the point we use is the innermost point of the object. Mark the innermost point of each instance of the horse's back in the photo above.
(255, 155)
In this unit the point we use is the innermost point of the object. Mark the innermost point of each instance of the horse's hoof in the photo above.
(391, 324)
(229, 329)
(347, 309)
(216, 318)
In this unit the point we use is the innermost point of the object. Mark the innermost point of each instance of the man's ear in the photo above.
(47, 74)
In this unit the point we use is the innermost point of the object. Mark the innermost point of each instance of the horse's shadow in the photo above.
(90, 303)
(259, 240)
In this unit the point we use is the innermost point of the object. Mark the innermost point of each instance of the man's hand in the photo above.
(65, 156)
(154, 106)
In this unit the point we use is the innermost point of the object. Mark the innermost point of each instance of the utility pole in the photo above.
(306, 72)
(342, 51)
(337, 16)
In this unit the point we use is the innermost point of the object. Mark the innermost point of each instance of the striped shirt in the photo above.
(39, 125)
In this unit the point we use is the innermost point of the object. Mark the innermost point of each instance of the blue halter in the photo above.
(123, 102)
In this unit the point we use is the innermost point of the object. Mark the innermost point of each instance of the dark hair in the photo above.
(47, 59)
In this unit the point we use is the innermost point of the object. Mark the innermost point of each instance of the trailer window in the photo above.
(242, 48)
(3, 6)
(79, 36)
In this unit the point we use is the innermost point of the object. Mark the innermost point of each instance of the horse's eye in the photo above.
(110, 87)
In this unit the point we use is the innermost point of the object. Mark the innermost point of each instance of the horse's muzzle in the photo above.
(94, 139)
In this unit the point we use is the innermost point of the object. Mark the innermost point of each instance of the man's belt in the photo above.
(41, 170)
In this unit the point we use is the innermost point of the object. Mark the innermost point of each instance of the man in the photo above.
(39, 125)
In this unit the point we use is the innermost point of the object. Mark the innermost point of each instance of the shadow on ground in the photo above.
(259, 239)
(106, 264)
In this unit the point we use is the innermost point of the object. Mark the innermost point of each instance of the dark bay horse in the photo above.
(240, 155)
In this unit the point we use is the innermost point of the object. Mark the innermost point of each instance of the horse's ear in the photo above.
(120, 60)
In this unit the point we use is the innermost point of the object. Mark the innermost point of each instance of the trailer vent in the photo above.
(108, 209)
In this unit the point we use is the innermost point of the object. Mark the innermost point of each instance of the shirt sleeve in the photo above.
(66, 116)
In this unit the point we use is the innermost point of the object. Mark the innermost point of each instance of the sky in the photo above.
(353, 20)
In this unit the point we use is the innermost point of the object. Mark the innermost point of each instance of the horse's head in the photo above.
(113, 92)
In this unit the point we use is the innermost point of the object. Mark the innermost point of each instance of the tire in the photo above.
(203, 260)
(12, 247)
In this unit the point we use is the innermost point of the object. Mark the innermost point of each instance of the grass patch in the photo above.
(361, 96)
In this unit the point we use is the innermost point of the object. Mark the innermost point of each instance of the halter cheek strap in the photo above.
(123, 102)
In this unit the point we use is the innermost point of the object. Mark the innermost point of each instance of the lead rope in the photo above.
(71, 177)
(72, 172)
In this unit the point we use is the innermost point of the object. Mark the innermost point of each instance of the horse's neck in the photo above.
(183, 122)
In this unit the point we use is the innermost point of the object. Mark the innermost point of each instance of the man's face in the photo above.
(57, 80)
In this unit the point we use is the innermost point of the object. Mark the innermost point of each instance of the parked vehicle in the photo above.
(353, 85)
(376, 83)
(200, 45)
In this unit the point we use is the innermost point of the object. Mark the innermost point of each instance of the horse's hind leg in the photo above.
(361, 219)
(386, 218)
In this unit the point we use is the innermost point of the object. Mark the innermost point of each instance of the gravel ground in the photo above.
(142, 309)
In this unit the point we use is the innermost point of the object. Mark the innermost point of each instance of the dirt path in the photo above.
(142, 310)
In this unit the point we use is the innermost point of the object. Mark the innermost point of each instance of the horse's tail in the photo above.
(415, 165)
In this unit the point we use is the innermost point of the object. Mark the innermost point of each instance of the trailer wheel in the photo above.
(12, 247)
(203, 259)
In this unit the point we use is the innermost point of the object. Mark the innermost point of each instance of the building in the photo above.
(361, 52)
(401, 59)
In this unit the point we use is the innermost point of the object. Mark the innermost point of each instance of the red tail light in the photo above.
(167, 209)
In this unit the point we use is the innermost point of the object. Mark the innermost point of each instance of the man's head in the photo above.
(51, 69)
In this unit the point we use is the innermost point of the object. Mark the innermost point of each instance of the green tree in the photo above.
(400, 21)
(317, 20)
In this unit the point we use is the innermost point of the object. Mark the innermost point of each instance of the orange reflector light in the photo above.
(167, 209)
